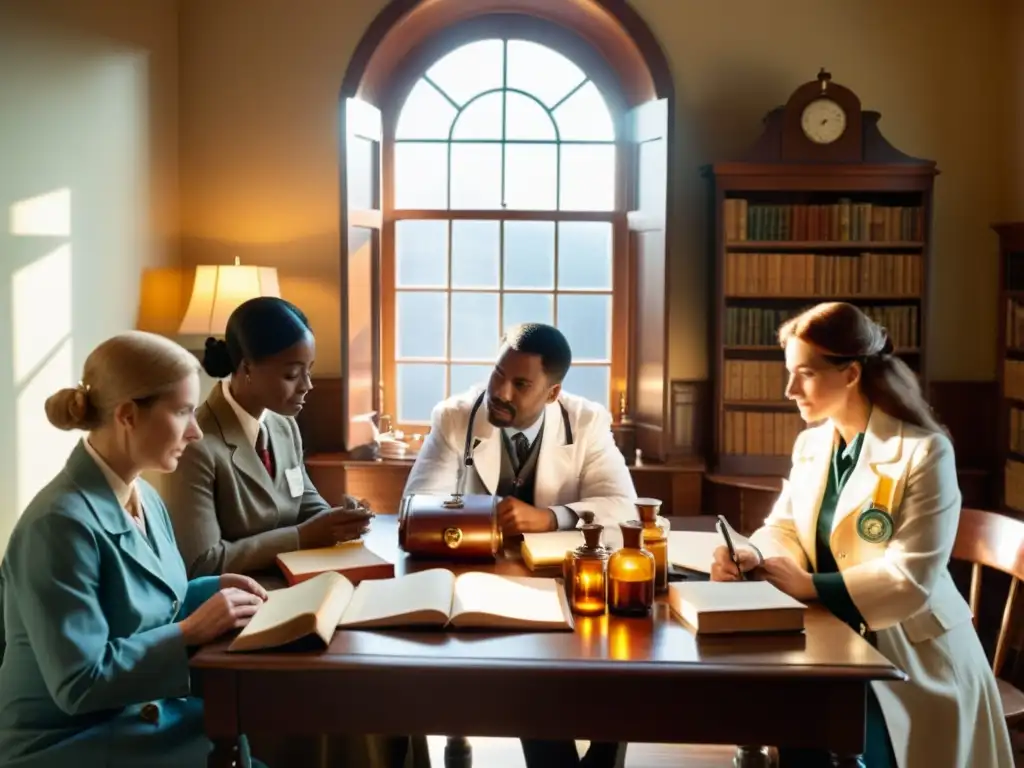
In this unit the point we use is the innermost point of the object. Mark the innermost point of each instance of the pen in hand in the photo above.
(723, 528)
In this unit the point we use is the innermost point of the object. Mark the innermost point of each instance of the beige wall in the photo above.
(88, 200)
(260, 151)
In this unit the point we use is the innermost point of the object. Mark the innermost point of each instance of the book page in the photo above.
(694, 550)
(292, 613)
(486, 600)
(414, 599)
(340, 557)
(721, 596)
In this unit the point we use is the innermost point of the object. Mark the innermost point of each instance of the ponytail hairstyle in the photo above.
(133, 366)
(257, 329)
(843, 334)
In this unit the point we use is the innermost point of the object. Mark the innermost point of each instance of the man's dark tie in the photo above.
(522, 446)
(263, 449)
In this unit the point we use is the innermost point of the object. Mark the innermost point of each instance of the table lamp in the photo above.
(216, 291)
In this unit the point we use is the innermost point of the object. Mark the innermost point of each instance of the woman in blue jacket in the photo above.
(99, 615)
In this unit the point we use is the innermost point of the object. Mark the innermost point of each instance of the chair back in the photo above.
(993, 540)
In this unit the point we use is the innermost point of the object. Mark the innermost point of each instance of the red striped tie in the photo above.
(263, 450)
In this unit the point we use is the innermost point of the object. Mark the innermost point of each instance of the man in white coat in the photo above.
(547, 454)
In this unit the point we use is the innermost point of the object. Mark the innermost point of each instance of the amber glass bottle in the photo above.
(631, 574)
(588, 518)
(589, 574)
(655, 539)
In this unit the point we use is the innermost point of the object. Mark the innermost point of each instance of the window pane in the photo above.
(588, 177)
(536, 69)
(463, 378)
(360, 173)
(526, 308)
(469, 70)
(586, 322)
(480, 120)
(585, 255)
(530, 254)
(584, 116)
(474, 326)
(531, 177)
(421, 254)
(426, 114)
(476, 248)
(420, 388)
(589, 381)
(476, 176)
(421, 175)
(421, 324)
(526, 119)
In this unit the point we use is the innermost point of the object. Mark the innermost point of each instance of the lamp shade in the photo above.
(218, 290)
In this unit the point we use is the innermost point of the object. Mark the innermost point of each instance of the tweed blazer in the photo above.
(229, 514)
(96, 672)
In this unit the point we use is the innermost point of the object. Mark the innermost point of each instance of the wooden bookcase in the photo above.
(791, 229)
(1010, 354)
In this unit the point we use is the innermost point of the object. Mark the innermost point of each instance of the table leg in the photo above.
(847, 761)
(752, 757)
(225, 754)
(458, 753)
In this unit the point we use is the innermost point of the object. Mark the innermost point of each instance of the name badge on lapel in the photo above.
(295, 484)
(875, 524)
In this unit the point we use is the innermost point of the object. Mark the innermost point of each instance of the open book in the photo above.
(353, 559)
(718, 607)
(432, 598)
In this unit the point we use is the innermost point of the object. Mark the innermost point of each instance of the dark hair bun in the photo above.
(216, 360)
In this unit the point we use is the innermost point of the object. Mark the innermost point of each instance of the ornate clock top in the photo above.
(824, 77)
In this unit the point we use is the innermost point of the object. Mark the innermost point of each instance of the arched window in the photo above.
(504, 193)
(504, 161)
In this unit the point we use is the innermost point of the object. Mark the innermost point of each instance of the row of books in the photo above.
(759, 326)
(1013, 379)
(1013, 485)
(761, 433)
(842, 221)
(754, 380)
(1014, 325)
(811, 274)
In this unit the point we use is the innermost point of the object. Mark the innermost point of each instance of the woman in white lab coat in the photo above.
(865, 525)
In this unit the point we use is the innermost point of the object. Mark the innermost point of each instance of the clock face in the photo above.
(823, 121)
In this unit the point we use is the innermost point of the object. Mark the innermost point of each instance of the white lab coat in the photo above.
(588, 473)
(949, 714)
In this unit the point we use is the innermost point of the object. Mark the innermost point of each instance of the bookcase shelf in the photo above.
(1010, 354)
(797, 223)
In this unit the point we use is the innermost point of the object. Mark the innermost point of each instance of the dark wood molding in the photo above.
(614, 28)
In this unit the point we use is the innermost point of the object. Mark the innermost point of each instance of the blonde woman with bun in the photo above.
(100, 615)
(865, 525)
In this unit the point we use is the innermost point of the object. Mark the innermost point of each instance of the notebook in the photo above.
(720, 607)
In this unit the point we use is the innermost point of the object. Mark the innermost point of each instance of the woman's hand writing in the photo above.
(230, 608)
(724, 569)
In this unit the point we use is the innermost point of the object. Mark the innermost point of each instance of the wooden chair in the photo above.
(997, 541)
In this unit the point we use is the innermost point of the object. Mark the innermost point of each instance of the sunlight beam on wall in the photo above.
(41, 307)
(42, 449)
(44, 215)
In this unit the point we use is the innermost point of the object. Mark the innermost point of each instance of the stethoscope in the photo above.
(467, 458)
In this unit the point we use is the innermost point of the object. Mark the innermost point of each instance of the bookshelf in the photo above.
(806, 217)
(1010, 354)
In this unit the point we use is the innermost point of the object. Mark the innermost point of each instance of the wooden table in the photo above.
(613, 679)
